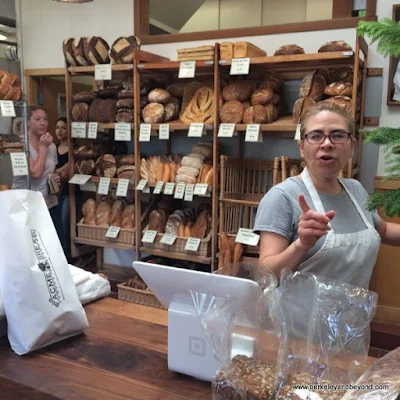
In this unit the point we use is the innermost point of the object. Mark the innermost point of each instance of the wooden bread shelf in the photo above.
(104, 244)
(283, 124)
(177, 256)
(89, 70)
(114, 181)
(174, 66)
(109, 125)
(179, 126)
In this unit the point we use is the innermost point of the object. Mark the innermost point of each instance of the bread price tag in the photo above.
(252, 133)
(122, 188)
(79, 179)
(122, 132)
(142, 184)
(240, 66)
(247, 236)
(113, 232)
(168, 239)
(146, 190)
(158, 188)
(192, 244)
(200, 189)
(180, 191)
(7, 108)
(149, 236)
(102, 72)
(347, 53)
(78, 130)
(104, 186)
(19, 164)
(145, 133)
(189, 192)
(226, 130)
(196, 130)
(169, 188)
(297, 135)
(92, 131)
(88, 187)
(163, 132)
(187, 69)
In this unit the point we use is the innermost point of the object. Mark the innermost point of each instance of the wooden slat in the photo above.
(371, 121)
(374, 71)
(177, 256)
(283, 124)
(174, 66)
(90, 68)
(342, 8)
(104, 244)
(179, 126)
(391, 184)
(387, 315)
(40, 72)
(371, 8)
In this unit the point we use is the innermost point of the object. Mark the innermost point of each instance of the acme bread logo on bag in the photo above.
(45, 265)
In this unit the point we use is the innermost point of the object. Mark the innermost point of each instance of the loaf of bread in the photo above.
(289, 49)
(185, 179)
(300, 106)
(226, 50)
(339, 89)
(153, 113)
(337, 45)
(246, 49)
(69, 53)
(313, 86)
(272, 113)
(239, 91)
(125, 94)
(108, 93)
(128, 217)
(192, 162)
(343, 74)
(122, 50)
(106, 166)
(262, 96)
(116, 213)
(200, 227)
(176, 90)
(96, 50)
(124, 115)
(184, 170)
(342, 102)
(85, 167)
(204, 148)
(79, 52)
(84, 97)
(128, 159)
(255, 115)
(125, 103)
(275, 99)
(201, 108)
(273, 77)
(86, 153)
(159, 96)
(231, 112)
(106, 112)
(271, 84)
(157, 221)
(103, 213)
(80, 112)
(171, 109)
(126, 172)
(89, 212)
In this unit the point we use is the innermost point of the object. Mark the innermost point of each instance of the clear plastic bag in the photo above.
(325, 334)
(380, 382)
(242, 334)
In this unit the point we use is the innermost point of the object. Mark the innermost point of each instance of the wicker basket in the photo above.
(142, 297)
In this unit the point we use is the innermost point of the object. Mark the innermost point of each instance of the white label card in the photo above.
(297, 135)
(19, 164)
(180, 191)
(122, 188)
(122, 132)
(169, 188)
(158, 188)
(226, 130)
(192, 244)
(7, 108)
(347, 53)
(187, 69)
(240, 66)
(252, 133)
(113, 232)
(145, 133)
(196, 130)
(104, 186)
(201, 189)
(149, 236)
(163, 132)
(189, 192)
(247, 236)
(103, 72)
(79, 179)
(92, 131)
(168, 239)
(141, 185)
(78, 130)
(146, 190)
(88, 187)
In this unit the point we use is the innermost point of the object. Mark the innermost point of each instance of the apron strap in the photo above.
(312, 191)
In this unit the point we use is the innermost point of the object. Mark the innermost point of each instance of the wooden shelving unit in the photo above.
(176, 256)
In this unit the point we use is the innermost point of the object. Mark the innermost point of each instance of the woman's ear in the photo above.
(300, 144)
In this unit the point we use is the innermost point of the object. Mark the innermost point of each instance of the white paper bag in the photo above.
(40, 298)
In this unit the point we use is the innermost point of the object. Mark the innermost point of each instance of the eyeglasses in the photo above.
(336, 137)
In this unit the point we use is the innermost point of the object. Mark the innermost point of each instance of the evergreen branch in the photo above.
(383, 136)
(386, 33)
(389, 201)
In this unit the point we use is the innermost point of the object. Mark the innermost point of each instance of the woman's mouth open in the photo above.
(327, 159)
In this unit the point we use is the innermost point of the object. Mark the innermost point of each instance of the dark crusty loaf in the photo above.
(289, 49)
(106, 166)
(255, 115)
(313, 86)
(96, 50)
(84, 97)
(122, 50)
(124, 115)
(262, 96)
(79, 52)
(80, 112)
(300, 106)
(69, 52)
(337, 45)
(86, 153)
(85, 167)
(339, 89)
(231, 112)
(240, 91)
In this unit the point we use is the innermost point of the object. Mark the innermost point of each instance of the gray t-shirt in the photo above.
(279, 210)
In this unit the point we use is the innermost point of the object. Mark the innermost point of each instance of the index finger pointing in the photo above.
(303, 204)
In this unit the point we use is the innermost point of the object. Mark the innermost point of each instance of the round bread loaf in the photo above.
(337, 45)
(323, 72)
(300, 106)
(246, 105)
(78, 51)
(84, 97)
(313, 86)
(159, 96)
(107, 111)
(69, 53)
(124, 115)
(240, 91)
(255, 115)
(126, 172)
(125, 94)
(125, 103)
(275, 99)
(106, 166)
(343, 102)
(262, 96)
(172, 109)
(108, 93)
(339, 89)
(128, 159)
(85, 167)
(176, 90)
(231, 112)
(153, 113)
(273, 77)
(80, 112)
(96, 50)
(122, 50)
(289, 49)
(344, 74)
(272, 113)
(94, 110)
(85, 153)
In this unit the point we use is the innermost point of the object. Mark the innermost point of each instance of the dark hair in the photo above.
(331, 107)
(34, 108)
(61, 119)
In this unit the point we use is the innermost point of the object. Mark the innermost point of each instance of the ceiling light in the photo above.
(73, 1)
(3, 37)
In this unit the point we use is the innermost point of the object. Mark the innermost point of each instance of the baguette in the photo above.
(222, 250)
(188, 229)
(160, 172)
(167, 172)
(181, 230)
(237, 258)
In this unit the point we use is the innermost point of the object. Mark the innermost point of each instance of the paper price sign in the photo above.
(226, 130)
(189, 192)
(149, 236)
(104, 186)
(88, 187)
(240, 66)
(19, 164)
(92, 131)
(158, 188)
(252, 133)
(102, 72)
(180, 191)
(7, 108)
(163, 132)
(347, 53)
(122, 132)
(79, 179)
(200, 189)
(141, 185)
(187, 69)
(168, 239)
(113, 232)
(192, 244)
(122, 188)
(247, 236)
(78, 130)
(196, 130)
(169, 188)
(146, 190)
(145, 132)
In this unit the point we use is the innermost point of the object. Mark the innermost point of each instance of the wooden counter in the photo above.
(123, 355)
